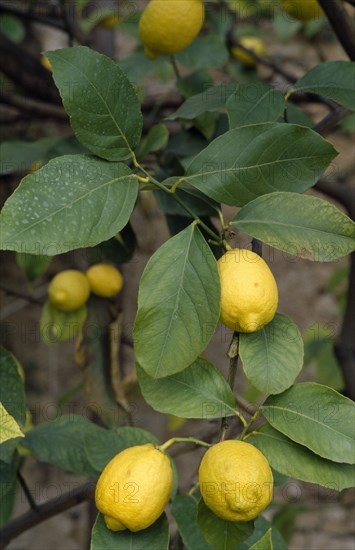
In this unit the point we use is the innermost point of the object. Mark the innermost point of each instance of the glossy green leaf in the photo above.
(119, 249)
(298, 462)
(156, 139)
(194, 83)
(317, 417)
(12, 27)
(272, 357)
(184, 510)
(222, 534)
(108, 443)
(61, 442)
(58, 326)
(254, 104)
(332, 79)
(254, 160)
(155, 537)
(204, 52)
(199, 391)
(33, 265)
(211, 99)
(74, 201)
(265, 543)
(261, 527)
(302, 225)
(178, 304)
(102, 104)
(9, 429)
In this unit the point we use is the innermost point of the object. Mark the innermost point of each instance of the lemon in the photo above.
(104, 279)
(109, 22)
(169, 26)
(134, 488)
(249, 294)
(69, 290)
(252, 43)
(236, 481)
(303, 10)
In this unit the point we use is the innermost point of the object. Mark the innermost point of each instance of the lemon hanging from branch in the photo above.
(169, 26)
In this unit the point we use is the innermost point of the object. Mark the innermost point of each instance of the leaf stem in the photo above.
(251, 421)
(173, 440)
(175, 67)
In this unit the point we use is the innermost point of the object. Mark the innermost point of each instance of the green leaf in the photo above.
(285, 27)
(12, 27)
(58, 326)
(254, 160)
(298, 462)
(156, 139)
(108, 443)
(61, 442)
(261, 527)
(204, 52)
(265, 543)
(74, 201)
(254, 104)
(102, 104)
(199, 391)
(272, 357)
(302, 225)
(184, 510)
(211, 99)
(12, 397)
(9, 429)
(295, 115)
(33, 265)
(222, 534)
(19, 155)
(8, 487)
(194, 83)
(155, 537)
(178, 304)
(317, 417)
(197, 201)
(332, 79)
(137, 66)
(119, 249)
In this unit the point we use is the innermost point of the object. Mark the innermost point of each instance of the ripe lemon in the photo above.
(109, 22)
(69, 290)
(236, 481)
(303, 10)
(134, 488)
(252, 43)
(249, 294)
(104, 279)
(169, 26)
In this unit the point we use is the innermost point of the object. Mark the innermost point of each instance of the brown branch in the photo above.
(21, 295)
(330, 121)
(341, 24)
(45, 511)
(32, 106)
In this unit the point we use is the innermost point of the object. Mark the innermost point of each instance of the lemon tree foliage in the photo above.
(243, 144)
(178, 304)
(199, 391)
(304, 226)
(254, 160)
(298, 461)
(272, 357)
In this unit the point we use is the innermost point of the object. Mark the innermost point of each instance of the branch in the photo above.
(32, 106)
(330, 121)
(341, 24)
(45, 511)
(21, 295)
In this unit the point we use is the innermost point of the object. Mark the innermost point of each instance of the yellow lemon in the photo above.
(236, 481)
(69, 290)
(104, 279)
(249, 294)
(303, 10)
(252, 43)
(109, 22)
(169, 26)
(134, 488)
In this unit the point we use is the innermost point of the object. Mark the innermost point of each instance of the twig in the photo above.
(330, 121)
(21, 295)
(257, 247)
(341, 24)
(33, 106)
(26, 490)
(45, 511)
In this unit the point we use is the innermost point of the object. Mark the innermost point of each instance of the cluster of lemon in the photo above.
(235, 480)
(71, 288)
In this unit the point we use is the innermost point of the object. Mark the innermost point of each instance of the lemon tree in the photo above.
(232, 169)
